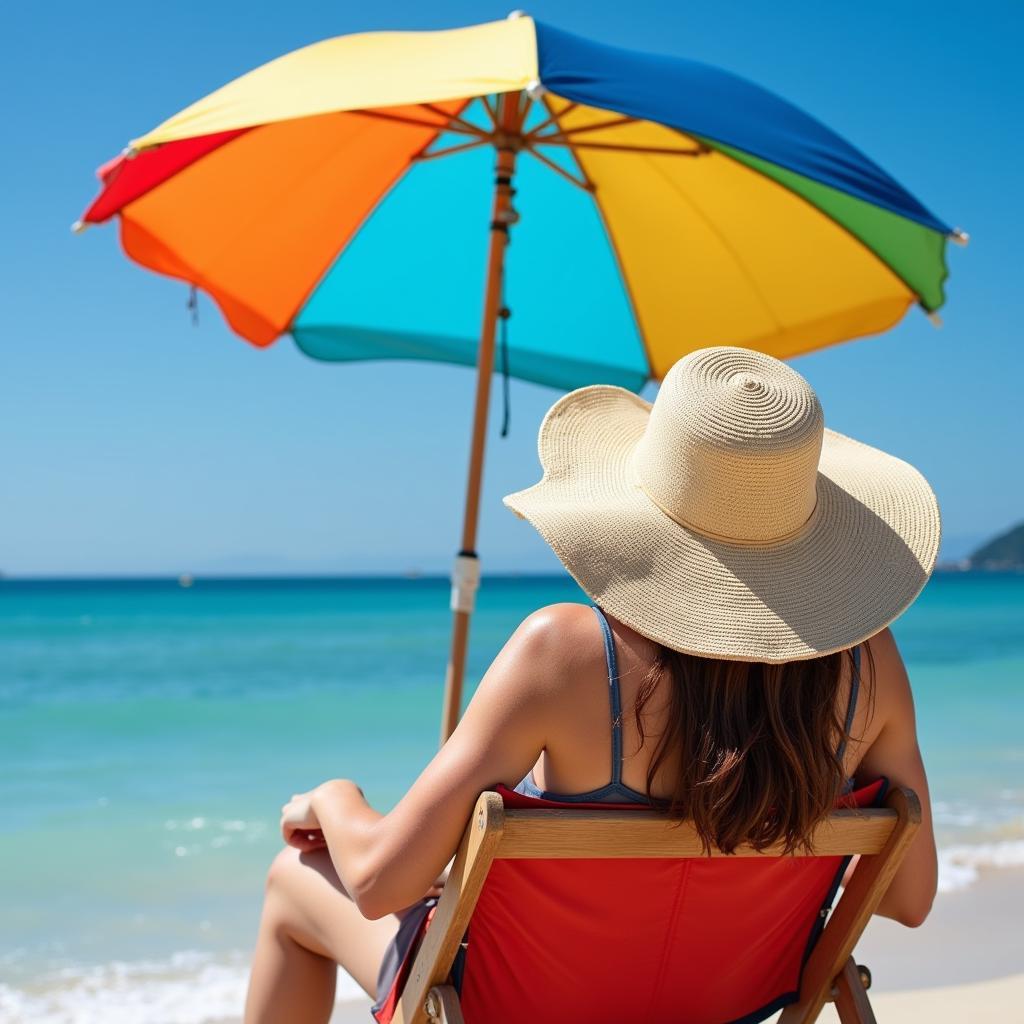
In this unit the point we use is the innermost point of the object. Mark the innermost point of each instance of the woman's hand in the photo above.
(299, 824)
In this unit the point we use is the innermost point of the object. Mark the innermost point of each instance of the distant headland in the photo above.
(1004, 553)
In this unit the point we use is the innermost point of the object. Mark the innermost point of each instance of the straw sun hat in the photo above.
(725, 520)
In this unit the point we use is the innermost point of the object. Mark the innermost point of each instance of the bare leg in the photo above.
(309, 926)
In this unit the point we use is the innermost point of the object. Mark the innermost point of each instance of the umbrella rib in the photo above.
(551, 119)
(534, 136)
(524, 108)
(561, 140)
(453, 118)
(583, 183)
(383, 116)
(491, 112)
(461, 148)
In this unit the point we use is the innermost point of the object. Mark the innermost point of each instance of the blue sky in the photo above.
(135, 443)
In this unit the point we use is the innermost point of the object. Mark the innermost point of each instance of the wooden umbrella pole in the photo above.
(466, 574)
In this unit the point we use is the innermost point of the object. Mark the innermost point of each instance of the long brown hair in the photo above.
(758, 745)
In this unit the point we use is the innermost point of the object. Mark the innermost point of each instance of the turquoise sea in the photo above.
(150, 732)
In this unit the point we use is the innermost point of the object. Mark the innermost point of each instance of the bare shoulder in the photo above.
(887, 676)
(884, 651)
(555, 628)
(562, 642)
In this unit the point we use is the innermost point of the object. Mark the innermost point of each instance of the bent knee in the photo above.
(292, 867)
(283, 867)
(914, 917)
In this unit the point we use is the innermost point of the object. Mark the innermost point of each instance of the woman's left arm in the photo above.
(387, 862)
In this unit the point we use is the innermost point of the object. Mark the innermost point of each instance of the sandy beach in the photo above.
(964, 964)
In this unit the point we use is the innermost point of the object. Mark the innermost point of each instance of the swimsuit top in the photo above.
(617, 791)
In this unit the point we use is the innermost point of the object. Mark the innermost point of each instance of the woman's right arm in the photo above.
(387, 862)
(895, 754)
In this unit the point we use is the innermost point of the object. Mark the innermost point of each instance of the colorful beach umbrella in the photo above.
(344, 193)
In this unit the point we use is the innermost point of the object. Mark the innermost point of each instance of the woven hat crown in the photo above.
(732, 447)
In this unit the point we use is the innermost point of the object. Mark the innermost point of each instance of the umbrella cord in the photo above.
(503, 314)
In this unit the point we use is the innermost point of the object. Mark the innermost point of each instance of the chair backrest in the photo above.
(611, 913)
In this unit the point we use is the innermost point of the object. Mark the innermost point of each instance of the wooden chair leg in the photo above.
(433, 961)
(443, 1005)
(852, 1003)
(859, 901)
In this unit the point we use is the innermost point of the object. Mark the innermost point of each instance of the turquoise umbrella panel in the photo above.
(409, 284)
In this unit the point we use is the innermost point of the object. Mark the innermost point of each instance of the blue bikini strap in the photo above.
(851, 709)
(616, 701)
(613, 694)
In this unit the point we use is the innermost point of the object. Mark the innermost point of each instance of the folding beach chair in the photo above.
(609, 914)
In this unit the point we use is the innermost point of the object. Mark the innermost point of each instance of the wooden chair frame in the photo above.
(881, 838)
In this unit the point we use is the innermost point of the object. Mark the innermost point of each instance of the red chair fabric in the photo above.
(703, 940)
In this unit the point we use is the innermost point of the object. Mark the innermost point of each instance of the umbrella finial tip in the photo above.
(517, 13)
(78, 227)
(960, 236)
(936, 320)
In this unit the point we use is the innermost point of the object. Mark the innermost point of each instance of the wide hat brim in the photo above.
(862, 558)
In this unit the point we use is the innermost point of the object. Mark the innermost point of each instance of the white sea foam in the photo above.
(194, 835)
(960, 866)
(187, 988)
(954, 816)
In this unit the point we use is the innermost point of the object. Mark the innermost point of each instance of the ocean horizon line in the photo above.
(187, 579)
(192, 578)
